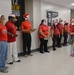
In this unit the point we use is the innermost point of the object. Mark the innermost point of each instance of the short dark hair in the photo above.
(66, 24)
(42, 21)
(9, 17)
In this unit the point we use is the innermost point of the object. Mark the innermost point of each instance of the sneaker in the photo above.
(18, 61)
(65, 45)
(6, 67)
(54, 49)
(42, 52)
(47, 51)
(10, 63)
(59, 46)
(25, 55)
(30, 55)
(4, 71)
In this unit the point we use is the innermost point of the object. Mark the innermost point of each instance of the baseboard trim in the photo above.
(34, 50)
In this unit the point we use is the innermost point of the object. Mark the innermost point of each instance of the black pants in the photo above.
(55, 40)
(26, 43)
(60, 38)
(43, 45)
(65, 38)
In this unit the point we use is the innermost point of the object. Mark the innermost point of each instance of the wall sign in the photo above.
(50, 16)
(16, 7)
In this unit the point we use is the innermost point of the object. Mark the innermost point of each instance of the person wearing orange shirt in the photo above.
(71, 23)
(60, 27)
(26, 30)
(43, 33)
(3, 45)
(55, 35)
(65, 33)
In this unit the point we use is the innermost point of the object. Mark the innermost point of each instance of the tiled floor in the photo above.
(54, 63)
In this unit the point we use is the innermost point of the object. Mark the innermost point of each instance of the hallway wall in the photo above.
(37, 10)
(72, 14)
(5, 8)
(39, 13)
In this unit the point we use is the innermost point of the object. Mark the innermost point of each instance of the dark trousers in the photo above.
(60, 38)
(65, 38)
(26, 43)
(55, 40)
(43, 45)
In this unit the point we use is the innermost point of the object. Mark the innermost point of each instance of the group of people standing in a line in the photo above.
(58, 29)
(8, 48)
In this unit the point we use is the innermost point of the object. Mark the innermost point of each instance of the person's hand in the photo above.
(29, 30)
(71, 34)
(52, 36)
(14, 35)
(45, 36)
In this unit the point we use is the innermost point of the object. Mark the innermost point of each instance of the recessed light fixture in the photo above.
(72, 4)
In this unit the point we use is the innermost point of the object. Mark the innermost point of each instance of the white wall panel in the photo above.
(39, 13)
(5, 8)
(72, 14)
(36, 22)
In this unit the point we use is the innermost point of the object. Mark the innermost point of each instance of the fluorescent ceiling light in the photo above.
(72, 4)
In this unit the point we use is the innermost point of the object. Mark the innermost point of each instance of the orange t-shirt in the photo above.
(3, 33)
(60, 27)
(44, 29)
(25, 25)
(70, 26)
(55, 30)
(72, 29)
(66, 28)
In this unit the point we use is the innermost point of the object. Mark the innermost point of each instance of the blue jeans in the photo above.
(3, 54)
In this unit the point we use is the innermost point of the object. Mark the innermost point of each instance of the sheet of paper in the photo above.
(32, 30)
(45, 38)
